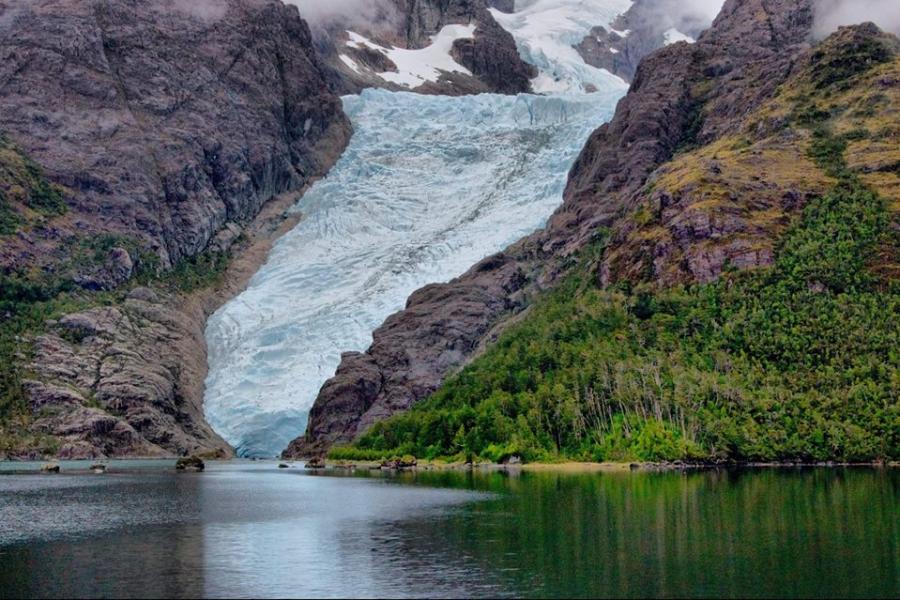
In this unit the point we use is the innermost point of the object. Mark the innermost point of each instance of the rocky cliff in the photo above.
(489, 55)
(682, 97)
(161, 128)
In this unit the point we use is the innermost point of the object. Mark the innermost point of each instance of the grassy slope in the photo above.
(796, 361)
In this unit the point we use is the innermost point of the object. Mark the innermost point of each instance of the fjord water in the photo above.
(247, 529)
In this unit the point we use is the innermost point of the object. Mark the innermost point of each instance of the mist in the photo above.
(346, 14)
(205, 10)
(831, 14)
(690, 17)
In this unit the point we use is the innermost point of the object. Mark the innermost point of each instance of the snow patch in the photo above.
(416, 67)
(672, 36)
(351, 63)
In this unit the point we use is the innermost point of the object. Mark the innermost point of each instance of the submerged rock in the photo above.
(284, 466)
(190, 463)
(50, 468)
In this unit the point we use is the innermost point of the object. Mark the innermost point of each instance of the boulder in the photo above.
(190, 463)
(50, 468)
(399, 463)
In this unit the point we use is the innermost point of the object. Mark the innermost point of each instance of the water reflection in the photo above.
(249, 530)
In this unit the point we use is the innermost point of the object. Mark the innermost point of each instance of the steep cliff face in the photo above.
(682, 96)
(162, 124)
(165, 128)
(486, 58)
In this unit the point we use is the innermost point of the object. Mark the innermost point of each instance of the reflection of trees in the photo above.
(769, 533)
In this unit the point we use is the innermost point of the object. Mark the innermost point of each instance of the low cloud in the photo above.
(346, 14)
(205, 10)
(687, 16)
(831, 14)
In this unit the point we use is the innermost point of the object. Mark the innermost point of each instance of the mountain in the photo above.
(720, 180)
(140, 142)
(428, 46)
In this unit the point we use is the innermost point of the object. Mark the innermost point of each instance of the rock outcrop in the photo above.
(682, 96)
(166, 127)
(490, 55)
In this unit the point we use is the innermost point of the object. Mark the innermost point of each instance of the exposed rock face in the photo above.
(681, 95)
(490, 56)
(171, 127)
(163, 122)
(124, 381)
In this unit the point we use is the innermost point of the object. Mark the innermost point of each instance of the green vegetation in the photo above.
(22, 183)
(797, 362)
(794, 362)
(29, 299)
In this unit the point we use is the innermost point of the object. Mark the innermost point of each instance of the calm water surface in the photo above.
(250, 529)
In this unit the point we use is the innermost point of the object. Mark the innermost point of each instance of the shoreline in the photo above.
(13, 466)
(590, 467)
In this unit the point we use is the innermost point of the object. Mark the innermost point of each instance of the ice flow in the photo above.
(427, 187)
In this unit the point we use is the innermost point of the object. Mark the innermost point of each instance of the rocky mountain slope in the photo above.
(484, 61)
(680, 181)
(794, 359)
(140, 141)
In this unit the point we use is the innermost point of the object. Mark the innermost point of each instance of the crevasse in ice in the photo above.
(427, 187)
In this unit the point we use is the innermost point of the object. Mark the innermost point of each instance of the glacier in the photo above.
(546, 33)
(427, 187)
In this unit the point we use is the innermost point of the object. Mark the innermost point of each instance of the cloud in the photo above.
(205, 10)
(346, 13)
(831, 14)
(687, 16)
(706, 10)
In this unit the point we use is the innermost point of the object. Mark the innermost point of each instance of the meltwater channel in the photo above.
(428, 186)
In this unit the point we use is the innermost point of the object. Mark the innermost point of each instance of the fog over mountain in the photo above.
(831, 14)
(347, 13)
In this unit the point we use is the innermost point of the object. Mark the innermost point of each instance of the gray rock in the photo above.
(162, 126)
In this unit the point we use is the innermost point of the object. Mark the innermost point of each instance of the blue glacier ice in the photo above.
(427, 187)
